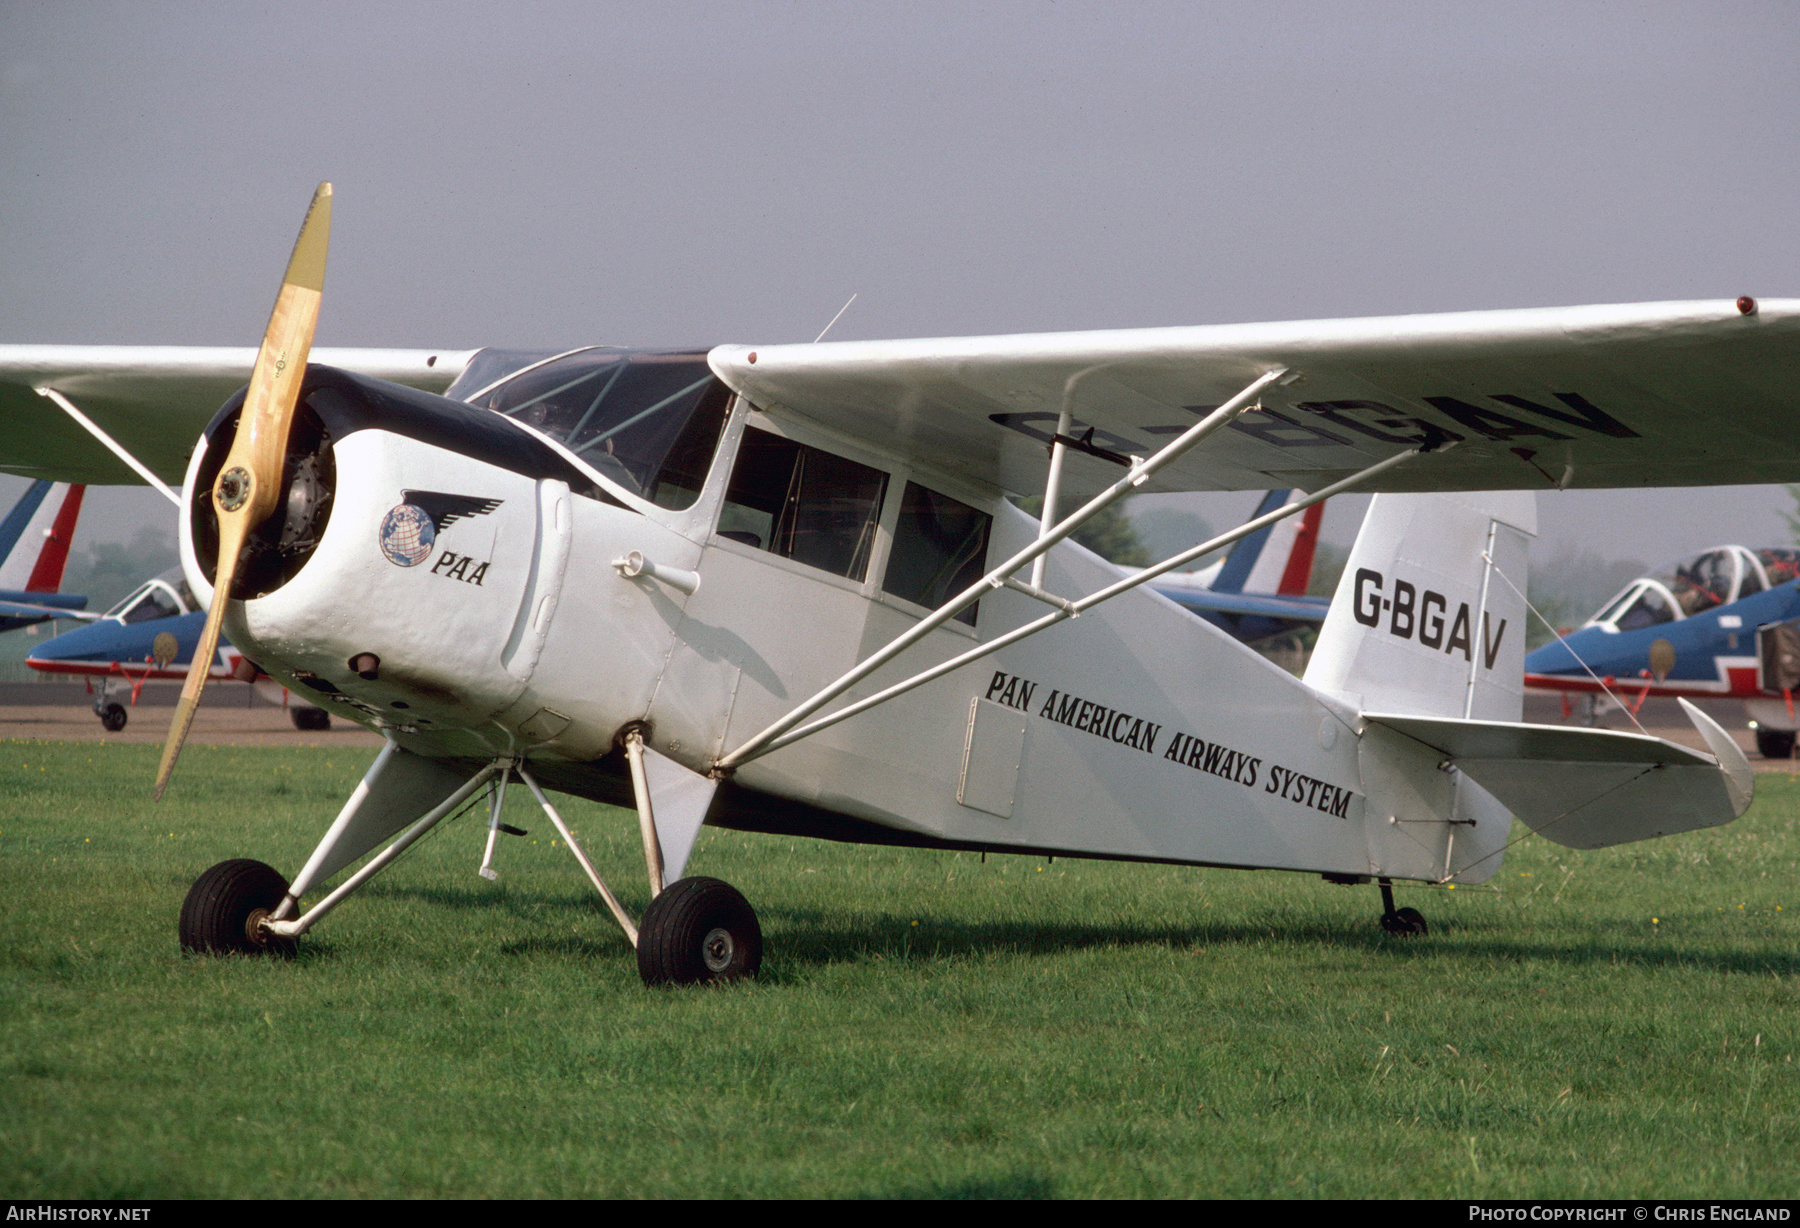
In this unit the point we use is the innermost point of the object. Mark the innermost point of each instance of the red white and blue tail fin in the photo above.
(1278, 559)
(35, 536)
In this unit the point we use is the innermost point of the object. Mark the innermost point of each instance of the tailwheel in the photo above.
(112, 717)
(224, 909)
(1400, 922)
(699, 930)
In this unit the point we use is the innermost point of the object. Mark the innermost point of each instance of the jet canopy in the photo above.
(1707, 580)
(164, 597)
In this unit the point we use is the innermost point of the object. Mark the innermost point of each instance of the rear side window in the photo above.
(803, 504)
(940, 548)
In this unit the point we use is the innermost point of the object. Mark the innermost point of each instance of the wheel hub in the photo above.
(253, 927)
(717, 949)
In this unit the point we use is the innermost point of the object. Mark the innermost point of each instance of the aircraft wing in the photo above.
(154, 400)
(31, 609)
(1698, 393)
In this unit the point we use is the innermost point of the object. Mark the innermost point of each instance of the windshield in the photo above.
(648, 420)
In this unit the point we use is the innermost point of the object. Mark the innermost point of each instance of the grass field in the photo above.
(1618, 1023)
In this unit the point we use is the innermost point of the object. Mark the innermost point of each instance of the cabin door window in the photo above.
(803, 504)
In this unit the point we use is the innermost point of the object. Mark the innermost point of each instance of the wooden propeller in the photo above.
(249, 482)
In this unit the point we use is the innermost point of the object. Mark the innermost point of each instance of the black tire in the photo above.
(1775, 743)
(699, 930)
(1404, 923)
(113, 717)
(218, 917)
(310, 720)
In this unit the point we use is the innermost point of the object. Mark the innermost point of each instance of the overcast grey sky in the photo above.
(549, 174)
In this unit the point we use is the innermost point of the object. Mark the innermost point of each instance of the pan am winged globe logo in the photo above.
(407, 536)
(409, 531)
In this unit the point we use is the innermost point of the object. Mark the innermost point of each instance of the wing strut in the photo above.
(1141, 472)
(784, 731)
(1065, 609)
(114, 446)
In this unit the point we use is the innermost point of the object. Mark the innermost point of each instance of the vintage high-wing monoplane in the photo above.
(1722, 624)
(780, 587)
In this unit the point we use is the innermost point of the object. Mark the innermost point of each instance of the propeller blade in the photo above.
(249, 483)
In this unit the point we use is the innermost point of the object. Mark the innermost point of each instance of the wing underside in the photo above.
(1657, 394)
(1671, 394)
(154, 400)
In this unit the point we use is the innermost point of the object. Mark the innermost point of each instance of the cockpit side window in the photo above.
(803, 504)
(1611, 609)
(1750, 574)
(940, 547)
(647, 420)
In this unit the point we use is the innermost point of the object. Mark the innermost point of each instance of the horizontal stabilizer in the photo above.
(1299, 609)
(46, 609)
(1591, 788)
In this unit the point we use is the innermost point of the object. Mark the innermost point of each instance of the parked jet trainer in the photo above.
(150, 636)
(780, 587)
(1724, 623)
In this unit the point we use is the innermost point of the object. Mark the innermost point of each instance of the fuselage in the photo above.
(463, 586)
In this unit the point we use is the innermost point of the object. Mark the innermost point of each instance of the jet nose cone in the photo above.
(82, 643)
(1566, 655)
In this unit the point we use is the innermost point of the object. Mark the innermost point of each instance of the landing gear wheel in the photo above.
(112, 717)
(310, 720)
(698, 930)
(1405, 923)
(220, 914)
(1775, 743)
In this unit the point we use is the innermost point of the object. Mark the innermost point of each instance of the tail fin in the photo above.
(1429, 618)
(35, 536)
(1276, 559)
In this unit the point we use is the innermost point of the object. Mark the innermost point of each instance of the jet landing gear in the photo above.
(309, 719)
(1774, 743)
(1404, 922)
(111, 712)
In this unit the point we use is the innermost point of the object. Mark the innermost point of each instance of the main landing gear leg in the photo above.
(697, 930)
(1403, 922)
